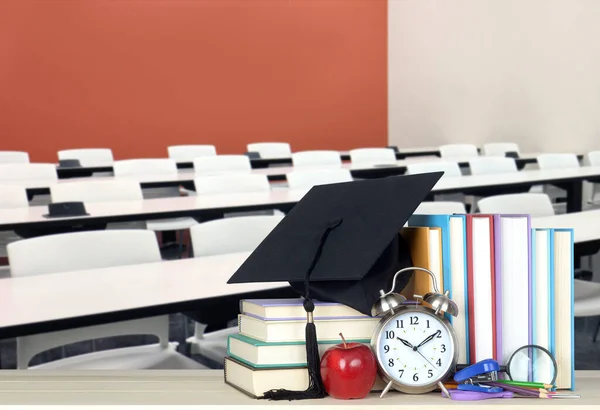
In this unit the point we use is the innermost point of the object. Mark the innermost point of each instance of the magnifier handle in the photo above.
(464, 395)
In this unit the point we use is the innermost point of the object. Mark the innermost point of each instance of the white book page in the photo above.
(482, 289)
(458, 272)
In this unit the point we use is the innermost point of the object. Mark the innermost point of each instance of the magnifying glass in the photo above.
(531, 363)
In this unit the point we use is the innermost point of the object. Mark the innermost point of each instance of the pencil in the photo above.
(533, 385)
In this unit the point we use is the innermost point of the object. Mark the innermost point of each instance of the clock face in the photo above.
(415, 348)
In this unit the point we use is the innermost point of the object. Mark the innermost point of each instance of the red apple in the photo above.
(348, 370)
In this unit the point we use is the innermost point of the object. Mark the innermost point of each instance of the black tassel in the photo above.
(316, 389)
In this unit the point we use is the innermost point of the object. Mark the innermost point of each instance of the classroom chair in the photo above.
(306, 179)
(492, 165)
(11, 196)
(458, 151)
(534, 204)
(450, 170)
(156, 166)
(312, 159)
(234, 184)
(221, 236)
(88, 156)
(94, 250)
(14, 157)
(594, 161)
(500, 148)
(222, 164)
(440, 207)
(271, 149)
(182, 153)
(587, 301)
(28, 172)
(372, 156)
(551, 162)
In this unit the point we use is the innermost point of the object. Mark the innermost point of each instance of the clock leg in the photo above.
(387, 389)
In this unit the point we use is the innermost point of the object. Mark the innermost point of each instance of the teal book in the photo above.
(542, 296)
(564, 344)
(259, 354)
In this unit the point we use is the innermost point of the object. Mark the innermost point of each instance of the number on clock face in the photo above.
(415, 348)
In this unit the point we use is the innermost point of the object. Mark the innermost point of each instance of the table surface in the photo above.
(206, 388)
(83, 293)
(277, 196)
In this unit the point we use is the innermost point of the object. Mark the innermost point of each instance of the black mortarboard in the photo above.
(340, 243)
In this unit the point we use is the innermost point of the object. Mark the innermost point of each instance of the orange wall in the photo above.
(139, 75)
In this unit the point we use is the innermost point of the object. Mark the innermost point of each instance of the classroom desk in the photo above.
(42, 303)
(404, 157)
(213, 206)
(205, 388)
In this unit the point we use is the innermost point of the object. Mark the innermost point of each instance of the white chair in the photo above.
(492, 165)
(88, 156)
(222, 164)
(594, 161)
(458, 151)
(11, 196)
(14, 157)
(231, 184)
(160, 166)
(553, 162)
(440, 207)
(94, 250)
(27, 172)
(526, 203)
(500, 148)
(311, 159)
(97, 191)
(271, 149)
(450, 169)
(372, 156)
(587, 301)
(557, 161)
(183, 153)
(23, 172)
(229, 235)
(306, 179)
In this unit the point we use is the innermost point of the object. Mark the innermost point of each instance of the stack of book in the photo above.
(269, 351)
(513, 284)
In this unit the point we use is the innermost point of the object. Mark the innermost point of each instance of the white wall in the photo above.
(488, 70)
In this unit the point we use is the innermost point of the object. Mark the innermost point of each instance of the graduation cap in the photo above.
(340, 243)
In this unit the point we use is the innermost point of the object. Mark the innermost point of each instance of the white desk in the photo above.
(205, 388)
(207, 206)
(36, 304)
(202, 206)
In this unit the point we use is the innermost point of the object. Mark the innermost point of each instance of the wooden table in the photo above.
(206, 388)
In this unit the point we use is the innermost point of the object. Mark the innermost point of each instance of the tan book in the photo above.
(425, 245)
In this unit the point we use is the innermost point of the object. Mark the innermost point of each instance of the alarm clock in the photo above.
(416, 347)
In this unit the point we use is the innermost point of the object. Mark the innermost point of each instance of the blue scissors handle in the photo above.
(479, 388)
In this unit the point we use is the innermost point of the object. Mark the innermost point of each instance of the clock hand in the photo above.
(406, 343)
(429, 338)
(425, 358)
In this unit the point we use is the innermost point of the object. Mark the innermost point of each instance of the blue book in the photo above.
(542, 295)
(454, 269)
(564, 343)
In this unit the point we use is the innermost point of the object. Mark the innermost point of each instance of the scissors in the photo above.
(467, 395)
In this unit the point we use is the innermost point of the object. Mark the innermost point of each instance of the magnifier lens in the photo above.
(532, 363)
